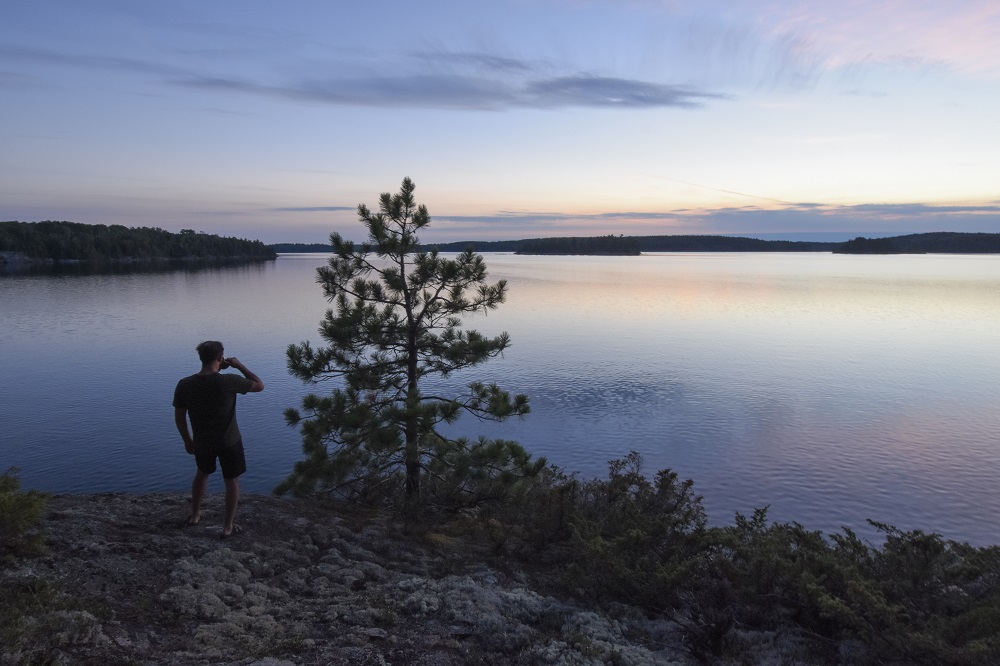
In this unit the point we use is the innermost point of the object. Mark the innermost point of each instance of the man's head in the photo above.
(210, 350)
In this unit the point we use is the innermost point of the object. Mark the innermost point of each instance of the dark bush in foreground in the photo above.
(915, 599)
(19, 511)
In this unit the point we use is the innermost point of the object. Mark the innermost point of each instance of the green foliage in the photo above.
(61, 241)
(565, 245)
(19, 512)
(727, 244)
(937, 242)
(41, 620)
(919, 598)
(950, 242)
(20, 601)
(601, 245)
(535, 518)
(862, 245)
(632, 538)
(915, 598)
(300, 247)
(394, 327)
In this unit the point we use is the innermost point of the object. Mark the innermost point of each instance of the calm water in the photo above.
(831, 388)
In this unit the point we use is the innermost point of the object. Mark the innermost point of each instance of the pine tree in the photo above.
(394, 327)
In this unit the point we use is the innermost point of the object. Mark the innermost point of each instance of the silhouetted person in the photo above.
(209, 398)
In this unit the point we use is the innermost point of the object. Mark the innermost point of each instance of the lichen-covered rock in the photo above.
(75, 628)
(301, 584)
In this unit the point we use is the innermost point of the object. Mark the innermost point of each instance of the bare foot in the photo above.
(235, 529)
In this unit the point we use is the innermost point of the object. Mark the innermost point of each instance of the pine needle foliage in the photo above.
(20, 511)
(396, 325)
(912, 598)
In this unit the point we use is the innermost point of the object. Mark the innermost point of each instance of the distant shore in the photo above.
(68, 243)
(944, 242)
(18, 263)
(20, 259)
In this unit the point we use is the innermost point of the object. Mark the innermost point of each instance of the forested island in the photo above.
(290, 248)
(926, 243)
(633, 245)
(597, 245)
(32, 243)
(939, 242)
(65, 242)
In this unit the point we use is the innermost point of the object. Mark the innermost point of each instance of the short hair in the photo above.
(210, 350)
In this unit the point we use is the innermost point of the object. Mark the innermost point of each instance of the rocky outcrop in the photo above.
(304, 583)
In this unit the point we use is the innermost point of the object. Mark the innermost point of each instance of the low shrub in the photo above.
(19, 514)
(914, 599)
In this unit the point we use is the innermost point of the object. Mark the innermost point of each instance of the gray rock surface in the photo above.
(304, 583)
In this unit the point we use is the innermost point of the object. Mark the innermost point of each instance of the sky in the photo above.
(792, 119)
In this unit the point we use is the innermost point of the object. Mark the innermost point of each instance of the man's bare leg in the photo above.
(197, 495)
(232, 501)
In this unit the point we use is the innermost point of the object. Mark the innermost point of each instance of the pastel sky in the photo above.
(515, 118)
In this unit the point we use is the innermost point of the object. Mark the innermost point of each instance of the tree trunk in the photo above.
(412, 455)
(412, 478)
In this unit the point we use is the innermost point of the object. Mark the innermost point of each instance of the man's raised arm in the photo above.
(258, 384)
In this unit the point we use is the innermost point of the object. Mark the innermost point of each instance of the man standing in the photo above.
(209, 398)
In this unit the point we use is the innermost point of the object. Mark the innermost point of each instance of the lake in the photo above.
(831, 388)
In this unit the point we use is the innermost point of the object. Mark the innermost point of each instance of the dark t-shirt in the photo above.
(211, 402)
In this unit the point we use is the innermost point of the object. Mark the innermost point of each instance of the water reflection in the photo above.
(72, 268)
(830, 387)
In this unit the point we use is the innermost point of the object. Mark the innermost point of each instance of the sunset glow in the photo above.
(776, 119)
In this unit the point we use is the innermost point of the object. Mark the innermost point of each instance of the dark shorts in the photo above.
(231, 460)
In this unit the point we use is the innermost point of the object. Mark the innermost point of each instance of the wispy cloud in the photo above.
(789, 44)
(425, 79)
(456, 91)
(917, 209)
(311, 209)
(609, 92)
(848, 221)
(902, 34)
(31, 55)
(475, 60)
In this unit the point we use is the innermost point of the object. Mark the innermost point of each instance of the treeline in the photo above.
(936, 242)
(727, 244)
(456, 246)
(611, 244)
(572, 245)
(478, 246)
(598, 245)
(73, 241)
(861, 245)
(944, 242)
(300, 247)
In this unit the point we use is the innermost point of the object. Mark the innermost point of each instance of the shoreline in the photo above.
(48, 266)
(305, 582)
